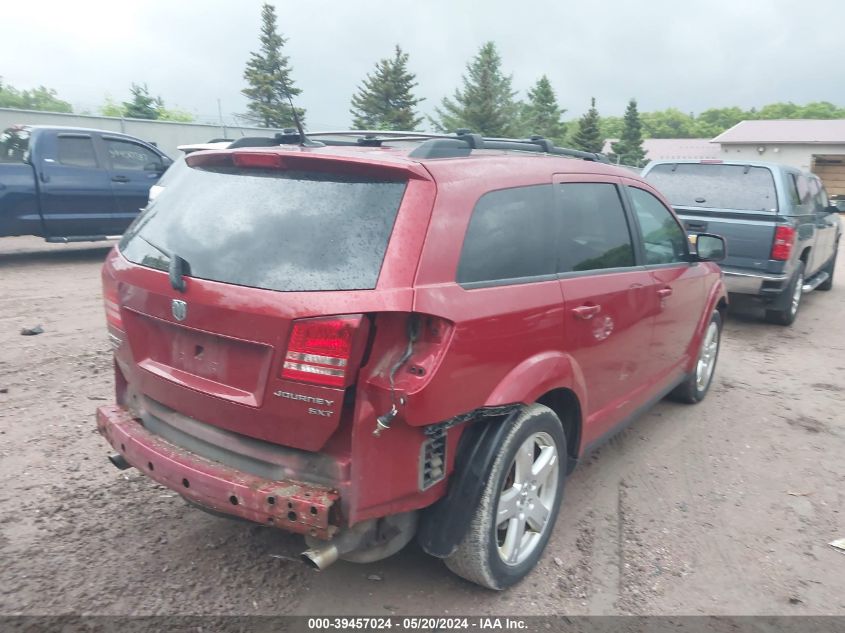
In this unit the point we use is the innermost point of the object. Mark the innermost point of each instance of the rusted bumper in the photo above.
(290, 505)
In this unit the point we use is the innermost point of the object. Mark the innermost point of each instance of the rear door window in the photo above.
(279, 230)
(510, 238)
(594, 232)
(716, 186)
(76, 151)
(14, 145)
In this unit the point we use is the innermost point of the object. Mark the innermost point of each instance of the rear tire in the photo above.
(791, 297)
(828, 283)
(697, 384)
(519, 504)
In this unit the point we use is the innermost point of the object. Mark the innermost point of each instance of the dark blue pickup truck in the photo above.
(73, 184)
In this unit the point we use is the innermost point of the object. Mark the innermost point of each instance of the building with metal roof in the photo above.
(816, 145)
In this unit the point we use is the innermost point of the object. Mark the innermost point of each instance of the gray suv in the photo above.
(782, 231)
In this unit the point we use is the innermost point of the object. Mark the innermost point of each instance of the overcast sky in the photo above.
(689, 54)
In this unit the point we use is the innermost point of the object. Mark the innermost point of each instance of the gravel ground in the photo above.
(722, 508)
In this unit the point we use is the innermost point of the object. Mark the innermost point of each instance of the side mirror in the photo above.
(710, 248)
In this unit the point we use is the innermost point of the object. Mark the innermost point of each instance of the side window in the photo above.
(76, 151)
(803, 187)
(14, 145)
(131, 156)
(819, 195)
(594, 232)
(792, 190)
(664, 240)
(510, 236)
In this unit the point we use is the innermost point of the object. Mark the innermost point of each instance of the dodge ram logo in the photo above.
(179, 309)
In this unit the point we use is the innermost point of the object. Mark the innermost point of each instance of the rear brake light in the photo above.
(320, 350)
(258, 160)
(784, 241)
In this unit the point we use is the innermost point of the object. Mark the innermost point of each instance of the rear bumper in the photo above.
(290, 505)
(753, 283)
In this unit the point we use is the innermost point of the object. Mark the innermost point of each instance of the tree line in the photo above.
(141, 105)
(486, 103)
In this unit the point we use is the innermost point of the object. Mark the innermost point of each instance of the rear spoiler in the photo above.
(308, 160)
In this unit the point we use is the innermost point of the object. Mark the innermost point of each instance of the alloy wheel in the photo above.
(796, 295)
(524, 509)
(707, 357)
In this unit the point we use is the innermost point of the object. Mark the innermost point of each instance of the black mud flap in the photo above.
(444, 524)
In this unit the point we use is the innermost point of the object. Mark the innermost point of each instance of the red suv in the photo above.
(372, 338)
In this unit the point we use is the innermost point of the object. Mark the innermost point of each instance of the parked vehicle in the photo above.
(412, 335)
(839, 203)
(73, 184)
(178, 167)
(781, 230)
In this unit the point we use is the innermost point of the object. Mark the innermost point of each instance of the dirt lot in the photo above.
(724, 508)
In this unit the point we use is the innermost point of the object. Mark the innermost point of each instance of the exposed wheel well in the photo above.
(565, 404)
(722, 308)
(805, 255)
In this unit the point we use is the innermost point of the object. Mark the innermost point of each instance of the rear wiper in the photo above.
(177, 269)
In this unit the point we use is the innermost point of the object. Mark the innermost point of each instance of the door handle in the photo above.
(120, 179)
(586, 312)
(664, 292)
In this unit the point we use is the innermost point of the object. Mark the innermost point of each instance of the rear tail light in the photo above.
(112, 303)
(784, 241)
(323, 351)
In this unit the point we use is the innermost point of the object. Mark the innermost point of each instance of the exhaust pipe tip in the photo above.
(320, 558)
(119, 461)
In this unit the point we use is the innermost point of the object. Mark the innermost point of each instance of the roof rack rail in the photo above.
(464, 141)
(459, 144)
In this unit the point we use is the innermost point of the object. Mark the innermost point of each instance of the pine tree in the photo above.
(485, 104)
(587, 137)
(629, 148)
(142, 105)
(541, 115)
(268, 75)
(385, 100)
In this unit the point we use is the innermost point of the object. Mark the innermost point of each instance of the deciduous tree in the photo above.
(40, 98)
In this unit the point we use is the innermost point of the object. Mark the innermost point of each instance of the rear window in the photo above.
(279, 230)
(714, 186)
(14, 145)
(510, 237)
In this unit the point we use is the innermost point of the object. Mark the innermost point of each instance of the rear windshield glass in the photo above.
(714, 186)
(14, 145)
(279, 230)
(176, 170)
